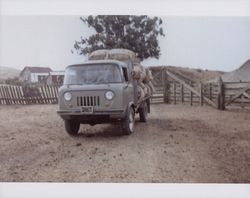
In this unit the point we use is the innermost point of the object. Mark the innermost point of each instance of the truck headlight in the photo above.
(67, 96)
(109, 95)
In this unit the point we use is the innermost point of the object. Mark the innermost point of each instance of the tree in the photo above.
(136, 33)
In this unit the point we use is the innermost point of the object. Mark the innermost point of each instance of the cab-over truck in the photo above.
(101, 91)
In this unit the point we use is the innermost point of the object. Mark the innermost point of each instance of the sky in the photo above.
(207, 42)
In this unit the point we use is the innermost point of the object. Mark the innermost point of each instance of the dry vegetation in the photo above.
(178, 144)
(7, 72)
(195, 75)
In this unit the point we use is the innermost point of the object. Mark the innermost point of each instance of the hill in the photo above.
(190, 74)
(8, 72)
(187, 74)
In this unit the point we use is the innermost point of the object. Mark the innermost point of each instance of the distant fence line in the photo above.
(11, 94)
(173, 89)
(170, 88)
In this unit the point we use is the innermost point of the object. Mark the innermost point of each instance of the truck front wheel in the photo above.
(128, 123)
(143, 112)
(72, 127)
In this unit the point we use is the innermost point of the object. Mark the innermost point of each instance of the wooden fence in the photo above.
(174, 89)
(10, 94)
(237, 94)
(170, 88)
(158, 84)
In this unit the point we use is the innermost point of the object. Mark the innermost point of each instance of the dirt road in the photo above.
(178, 144)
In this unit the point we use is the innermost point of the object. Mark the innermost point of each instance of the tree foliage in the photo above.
(136, 33)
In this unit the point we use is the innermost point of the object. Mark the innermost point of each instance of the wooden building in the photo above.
(41, 75)
(34, 74)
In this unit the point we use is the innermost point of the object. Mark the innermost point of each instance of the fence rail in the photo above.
(237, 94)
(173, 89)
(10, 94)
(170, 88)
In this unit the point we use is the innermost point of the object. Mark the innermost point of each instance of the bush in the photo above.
(2, 81)
(14, 81)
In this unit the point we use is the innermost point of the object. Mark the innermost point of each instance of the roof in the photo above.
(246, 65)
(242, 74)
(37, 69)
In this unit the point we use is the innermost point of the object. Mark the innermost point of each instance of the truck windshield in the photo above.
(92, 74)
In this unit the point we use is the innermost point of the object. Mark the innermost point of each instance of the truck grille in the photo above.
(88, 100)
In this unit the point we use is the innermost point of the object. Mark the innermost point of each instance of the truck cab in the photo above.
(99, 91)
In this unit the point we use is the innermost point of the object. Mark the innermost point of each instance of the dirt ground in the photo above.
(178, 144)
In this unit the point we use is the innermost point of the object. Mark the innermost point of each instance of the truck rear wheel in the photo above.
(128, 123)
(143, 112)
(72, 127)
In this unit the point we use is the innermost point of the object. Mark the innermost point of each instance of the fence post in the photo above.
(1, 95)
(221, 95)
(165, 83)
(7, 95)
(174, 93)
(210, 91)
(201, 93)
(182, 94)
(191, 95)
(241, 102)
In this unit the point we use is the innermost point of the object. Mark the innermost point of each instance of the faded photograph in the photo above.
(125, 98)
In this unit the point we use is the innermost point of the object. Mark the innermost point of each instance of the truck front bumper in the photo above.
(92, 118)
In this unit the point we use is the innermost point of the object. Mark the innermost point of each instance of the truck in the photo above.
(101, 91)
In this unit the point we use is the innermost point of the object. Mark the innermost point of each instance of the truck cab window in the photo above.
(125, 74)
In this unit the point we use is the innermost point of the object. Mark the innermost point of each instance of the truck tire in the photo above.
(143, 112)
(72, 127)
(128, 124)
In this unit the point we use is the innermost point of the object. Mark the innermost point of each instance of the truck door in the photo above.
(129, 88)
